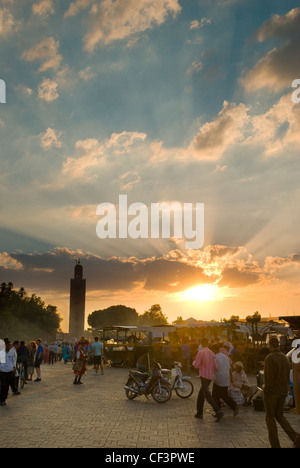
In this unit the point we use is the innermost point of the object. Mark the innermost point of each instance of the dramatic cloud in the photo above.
(43, 9)
(47, 90)
(215, 137)
(235, 278)
(280, 66)
(50, 139)
(174, 272)
(8, 24)
(9, 263)
(95, 151)
(77, 6)
(110, 21)
(278, 129)
(46, 51)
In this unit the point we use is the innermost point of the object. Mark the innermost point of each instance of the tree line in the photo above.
(121, 315)
(23, 316)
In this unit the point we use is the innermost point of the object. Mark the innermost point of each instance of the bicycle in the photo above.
(21, 374)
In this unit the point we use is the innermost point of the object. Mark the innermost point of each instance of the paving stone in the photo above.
(97, 414)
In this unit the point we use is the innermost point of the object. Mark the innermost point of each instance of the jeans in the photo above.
(204, 394)
(222, 393)
(6, 380)
(274, 407)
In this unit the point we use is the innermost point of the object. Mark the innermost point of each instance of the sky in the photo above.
(163, 101)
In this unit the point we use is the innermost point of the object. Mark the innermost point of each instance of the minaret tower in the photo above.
(77, 303)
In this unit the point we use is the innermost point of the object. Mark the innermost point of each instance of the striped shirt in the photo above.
(206, 363)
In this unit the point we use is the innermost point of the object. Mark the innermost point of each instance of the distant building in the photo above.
(77, 303)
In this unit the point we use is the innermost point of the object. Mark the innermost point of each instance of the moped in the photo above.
(139, 383)
(182, 385)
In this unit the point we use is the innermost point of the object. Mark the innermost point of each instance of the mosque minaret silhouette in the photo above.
(77, 303)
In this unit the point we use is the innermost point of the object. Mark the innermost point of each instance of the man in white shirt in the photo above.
(7, 372)
(222, 381)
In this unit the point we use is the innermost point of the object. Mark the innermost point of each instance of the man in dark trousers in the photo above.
(276, 388)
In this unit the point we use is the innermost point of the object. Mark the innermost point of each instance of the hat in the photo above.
(239, 364)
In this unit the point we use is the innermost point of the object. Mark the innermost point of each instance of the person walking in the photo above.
(66, 352)
(39, 359)
(52, 354)
(207, 364)
(296, 383)
(80, 363)
(276, 388)
(97, 350)
(15, 382)
(7, 372)
(46, 354)
(32, 350)
(222, 381)
(23, 357)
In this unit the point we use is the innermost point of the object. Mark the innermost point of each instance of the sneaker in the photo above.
(38, 380)
(198, 416)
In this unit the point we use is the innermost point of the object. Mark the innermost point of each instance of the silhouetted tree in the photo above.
(18, 311)
(153, 316)
(113, 316)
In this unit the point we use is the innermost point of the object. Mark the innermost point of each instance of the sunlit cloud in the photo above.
(280, 66)
(47, 90)
(50, 139)
(114, 21)
(45, 51)
(43, 8)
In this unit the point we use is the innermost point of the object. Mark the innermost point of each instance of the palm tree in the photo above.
(254, 320)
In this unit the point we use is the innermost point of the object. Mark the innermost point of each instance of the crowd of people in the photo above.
(30, 355)
(216, 362)
(215, 365)
(33, 354)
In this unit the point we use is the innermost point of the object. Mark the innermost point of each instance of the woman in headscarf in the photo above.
(80, 363)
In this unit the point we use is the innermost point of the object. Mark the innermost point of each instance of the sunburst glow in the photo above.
(202, 293)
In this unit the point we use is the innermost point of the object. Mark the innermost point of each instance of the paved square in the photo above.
(57, 414)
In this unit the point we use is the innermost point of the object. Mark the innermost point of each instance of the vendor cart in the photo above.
(123, 345)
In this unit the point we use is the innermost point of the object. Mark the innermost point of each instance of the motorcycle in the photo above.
(183, 386)
(139, 384)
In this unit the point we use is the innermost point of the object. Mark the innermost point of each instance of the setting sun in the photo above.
(202, 293)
